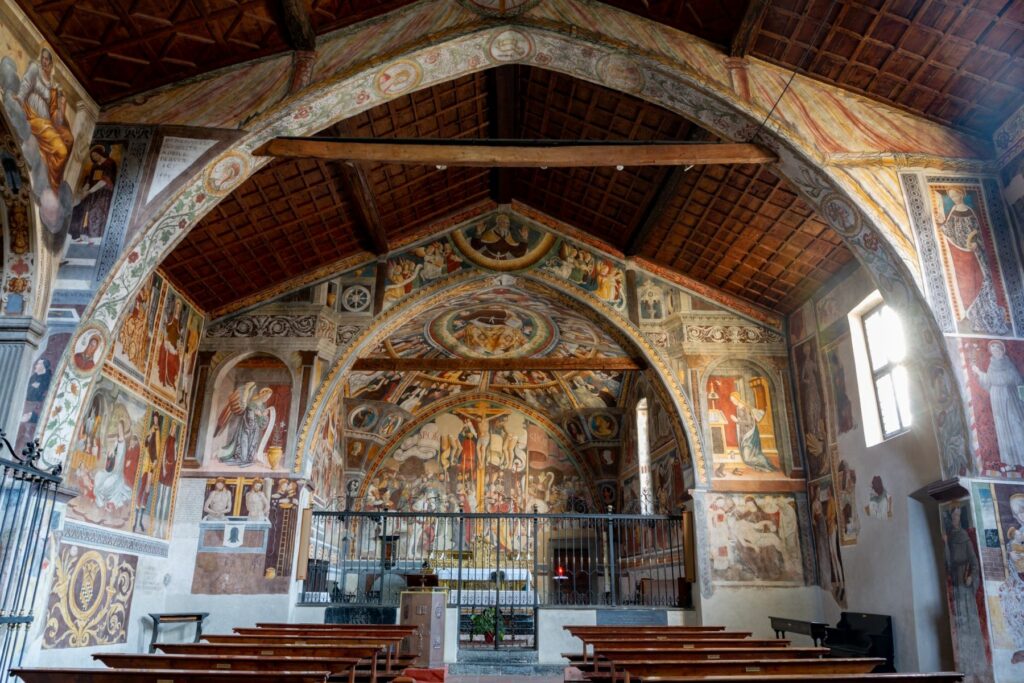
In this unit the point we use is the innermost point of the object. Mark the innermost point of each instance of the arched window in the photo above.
(643, 457)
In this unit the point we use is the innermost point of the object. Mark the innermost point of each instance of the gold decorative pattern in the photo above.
(90, 601)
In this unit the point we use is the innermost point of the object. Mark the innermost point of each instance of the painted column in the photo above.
(19, 341)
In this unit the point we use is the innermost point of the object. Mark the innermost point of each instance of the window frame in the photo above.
(888, 369)
(645, 482)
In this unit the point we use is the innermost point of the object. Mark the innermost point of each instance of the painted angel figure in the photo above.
(248, 421)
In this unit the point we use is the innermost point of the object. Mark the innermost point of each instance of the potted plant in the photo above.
(487, 624)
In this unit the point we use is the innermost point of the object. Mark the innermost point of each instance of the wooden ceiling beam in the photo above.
(502, 107)
(368, 213)
(743, 39)
(517, 153)
(496, 364)
(297, 25)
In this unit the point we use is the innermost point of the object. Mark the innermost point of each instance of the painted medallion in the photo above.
(492, 331)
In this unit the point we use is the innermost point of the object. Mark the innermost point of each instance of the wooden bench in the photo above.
(39, 675)
(390, 643)
(335, 666)
(937, 677)
(361, 651)
(631, 654)
(643, 635)
(574, 629)
(725, 667)
(682, 643)
(335, 627)
(364, 633)
(162, 618)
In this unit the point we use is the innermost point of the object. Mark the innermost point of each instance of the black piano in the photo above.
(814, 629)
(862, 635)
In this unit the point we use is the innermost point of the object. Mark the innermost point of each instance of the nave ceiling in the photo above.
(740, 229)
(957, 63)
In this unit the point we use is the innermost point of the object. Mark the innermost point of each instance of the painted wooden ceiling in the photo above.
(958, 62)
(740, 228)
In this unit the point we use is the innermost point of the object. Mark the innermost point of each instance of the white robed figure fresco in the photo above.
(109, 486)
(1001, 381)
(249, 421)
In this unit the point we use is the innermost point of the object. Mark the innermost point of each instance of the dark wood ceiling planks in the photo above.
(957, 62)
(739, 228)
(118, 48)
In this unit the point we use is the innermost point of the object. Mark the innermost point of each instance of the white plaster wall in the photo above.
(451, 635)
(748, 609)
(553, 639)
(896, 566)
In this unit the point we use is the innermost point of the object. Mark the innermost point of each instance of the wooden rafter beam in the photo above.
(502, 106)
(496, 364)
(368, 214)
(517, 153)
(297, 25)
(743, 39)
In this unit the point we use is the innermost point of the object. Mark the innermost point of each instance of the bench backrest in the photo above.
(685, 644)
(381, 641)
(227, 663)
(265, 650)
(40, 675)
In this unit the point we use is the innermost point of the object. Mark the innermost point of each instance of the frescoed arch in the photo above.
(536, 283)
(849, 209)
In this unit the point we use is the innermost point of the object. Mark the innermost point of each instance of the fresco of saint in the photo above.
(89, 217)
(1001, 380)
(45, 107)
(974, 289)
(746, 419)
(248, 421)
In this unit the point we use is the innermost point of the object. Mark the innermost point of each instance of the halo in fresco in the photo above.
(495, 330)
(498, 8)
(227, 172)
(398, 78)
(499, 242)
(510, 45)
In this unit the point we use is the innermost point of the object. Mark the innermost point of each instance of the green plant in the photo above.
(488, 622)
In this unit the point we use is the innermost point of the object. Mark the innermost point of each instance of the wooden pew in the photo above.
(360, 651)
(577, 628)
(627, 653)
(937, 677)
(726, 667)
(389, 643)
(363, 633)
(643, 654)
(679, 643)
(335, 666)
(335, 627)
(39, 675)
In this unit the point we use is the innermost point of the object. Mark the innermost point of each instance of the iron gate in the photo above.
(498, 569)
(27, 498)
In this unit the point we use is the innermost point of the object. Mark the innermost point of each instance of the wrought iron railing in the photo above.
(507, 560)
(27, 499)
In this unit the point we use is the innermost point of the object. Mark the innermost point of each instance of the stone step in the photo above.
(498, 669)
(500, 657)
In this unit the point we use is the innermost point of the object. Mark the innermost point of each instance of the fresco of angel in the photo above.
(248, 420)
